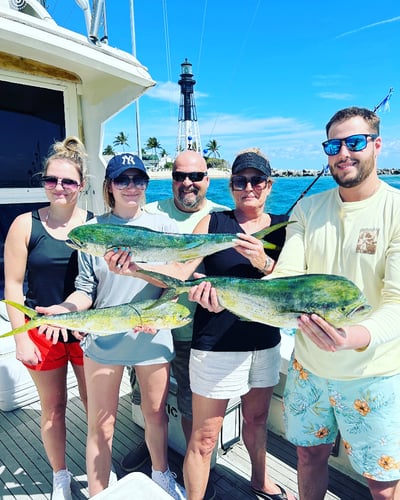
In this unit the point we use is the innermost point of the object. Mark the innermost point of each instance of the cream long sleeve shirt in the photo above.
(361, 241)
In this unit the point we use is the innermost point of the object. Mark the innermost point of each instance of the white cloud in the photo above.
(169, 92)
(336, 96)
(368, 26)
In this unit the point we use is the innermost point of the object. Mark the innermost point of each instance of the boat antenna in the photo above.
(84, 5)
(385, 104)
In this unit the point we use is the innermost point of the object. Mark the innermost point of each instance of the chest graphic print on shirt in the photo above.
(367, 241)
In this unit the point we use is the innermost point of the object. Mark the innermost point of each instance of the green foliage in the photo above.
(108, 150)
(121, 140)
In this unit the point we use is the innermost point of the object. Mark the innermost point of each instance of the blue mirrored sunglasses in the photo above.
(124, 181)
(356, 142)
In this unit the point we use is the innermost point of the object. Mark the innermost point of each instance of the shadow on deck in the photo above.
(25, 473)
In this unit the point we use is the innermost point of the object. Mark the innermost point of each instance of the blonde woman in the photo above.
(124, 191)
(35, 246)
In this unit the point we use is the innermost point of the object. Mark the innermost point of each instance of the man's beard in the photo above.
(192, 202)
(364, 171)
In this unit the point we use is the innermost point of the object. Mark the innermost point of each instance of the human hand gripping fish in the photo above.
(53, 332)
(329, 338)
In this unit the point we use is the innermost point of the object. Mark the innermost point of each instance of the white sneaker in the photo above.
(61, 485)
(113, 476)
(167, 482)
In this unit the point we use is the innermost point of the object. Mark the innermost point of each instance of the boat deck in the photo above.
(25, 472)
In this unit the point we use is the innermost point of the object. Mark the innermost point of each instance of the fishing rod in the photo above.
(385, 104)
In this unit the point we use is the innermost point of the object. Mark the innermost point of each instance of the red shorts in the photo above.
(55, 355)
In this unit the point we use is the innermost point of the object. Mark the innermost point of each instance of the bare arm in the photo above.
(15, 262)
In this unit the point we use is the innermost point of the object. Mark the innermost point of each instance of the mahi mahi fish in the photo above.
(279, 301)
(147, 245)
(109, 320)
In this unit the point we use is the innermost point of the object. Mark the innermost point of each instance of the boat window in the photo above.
(31, 119)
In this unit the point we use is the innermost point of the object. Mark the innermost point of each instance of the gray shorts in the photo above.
(225, 375)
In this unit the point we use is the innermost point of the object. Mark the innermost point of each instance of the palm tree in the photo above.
(152, 143)
(108, 150)
(213, 148)
(121, 140)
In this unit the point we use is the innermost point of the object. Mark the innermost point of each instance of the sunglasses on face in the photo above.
(240, 182)
(193, 176)
(356, 142)
(124, 181)
(50, 182)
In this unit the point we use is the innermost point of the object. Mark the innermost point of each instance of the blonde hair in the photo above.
(71, 149)
(256, 151)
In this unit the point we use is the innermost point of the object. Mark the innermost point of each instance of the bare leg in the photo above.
(154, 383)
(80, 377)
(312, 471)
(255, 407)
(208, 415)
(384, 490)
(51, 386)
(102, 382)
(186, 424)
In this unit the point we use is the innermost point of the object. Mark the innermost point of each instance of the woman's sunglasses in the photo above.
(258, 182)
(124, 181)
(193, 176)
(356, 142)
(50, 182)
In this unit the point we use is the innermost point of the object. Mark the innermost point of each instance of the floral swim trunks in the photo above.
(365, 411)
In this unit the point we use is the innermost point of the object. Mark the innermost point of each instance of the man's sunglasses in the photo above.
(193, 176)
(258, 182)
(50, 182)
(356, 142)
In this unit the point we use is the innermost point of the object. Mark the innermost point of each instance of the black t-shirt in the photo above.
(225, 331)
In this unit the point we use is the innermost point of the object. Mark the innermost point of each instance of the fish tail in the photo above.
(173, 286)
(267, 230)
(31, 313)
(166, 281)
(270, 229)
(20, 329)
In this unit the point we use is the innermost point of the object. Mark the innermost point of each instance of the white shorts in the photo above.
(225, 375)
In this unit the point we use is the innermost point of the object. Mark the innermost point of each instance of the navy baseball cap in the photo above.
(251, 159)
(119, 163)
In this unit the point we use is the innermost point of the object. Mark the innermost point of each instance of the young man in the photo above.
(187, 207)
(348, 379)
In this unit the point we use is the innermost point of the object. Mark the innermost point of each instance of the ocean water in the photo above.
(285, 190)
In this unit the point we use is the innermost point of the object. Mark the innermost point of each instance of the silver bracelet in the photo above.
(266, 265)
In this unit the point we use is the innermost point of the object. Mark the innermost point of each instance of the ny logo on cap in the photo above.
(128, 159)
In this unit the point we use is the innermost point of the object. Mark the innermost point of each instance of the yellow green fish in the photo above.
(109, 320)
(147, 245)
(280, 301)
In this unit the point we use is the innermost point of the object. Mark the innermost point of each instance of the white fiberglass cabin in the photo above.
(53, 83)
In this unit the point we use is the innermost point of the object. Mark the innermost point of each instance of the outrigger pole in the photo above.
(385, 104)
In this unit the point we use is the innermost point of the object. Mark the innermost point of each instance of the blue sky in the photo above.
(269, 74)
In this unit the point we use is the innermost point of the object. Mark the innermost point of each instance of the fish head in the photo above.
(350, 305)
(179, 315)
(88, 239)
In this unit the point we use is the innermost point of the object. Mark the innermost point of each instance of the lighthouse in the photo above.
(188, 127)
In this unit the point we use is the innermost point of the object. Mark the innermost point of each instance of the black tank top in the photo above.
(52, 267)
(225, 331)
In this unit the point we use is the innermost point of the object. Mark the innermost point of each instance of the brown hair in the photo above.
(369, 116)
